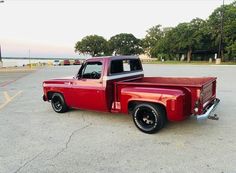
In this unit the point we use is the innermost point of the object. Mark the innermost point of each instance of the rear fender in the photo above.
(172, 99)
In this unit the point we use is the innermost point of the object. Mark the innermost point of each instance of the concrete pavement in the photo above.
(33, 138)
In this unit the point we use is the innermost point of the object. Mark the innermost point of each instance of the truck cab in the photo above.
(117, 85)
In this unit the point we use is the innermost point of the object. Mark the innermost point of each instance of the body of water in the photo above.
(20, 63)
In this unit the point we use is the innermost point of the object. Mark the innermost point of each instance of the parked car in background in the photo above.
(66, 62)
(77, 62)
(56, 62)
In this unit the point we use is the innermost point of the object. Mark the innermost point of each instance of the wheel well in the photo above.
(133, 104)
(49, 94)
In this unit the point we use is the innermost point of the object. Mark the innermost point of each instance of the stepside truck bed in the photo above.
(199, 91)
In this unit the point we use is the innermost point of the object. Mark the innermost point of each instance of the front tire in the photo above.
(149, 118)
(58, 103)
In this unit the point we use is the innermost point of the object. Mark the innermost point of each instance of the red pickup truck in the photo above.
(117, 84)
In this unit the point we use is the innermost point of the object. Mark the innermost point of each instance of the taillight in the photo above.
(196, 106)
(198, 93)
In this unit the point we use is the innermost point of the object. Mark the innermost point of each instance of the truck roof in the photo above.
(116, 57)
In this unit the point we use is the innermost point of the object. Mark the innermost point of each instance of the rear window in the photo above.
(120, 66)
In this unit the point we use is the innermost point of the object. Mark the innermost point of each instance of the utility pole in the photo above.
(1, 56)
(1, 1)
(0, 53)
(221, 49)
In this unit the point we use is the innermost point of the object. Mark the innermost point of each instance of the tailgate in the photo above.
(208, 92)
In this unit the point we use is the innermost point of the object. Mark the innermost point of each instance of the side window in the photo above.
(119, 66)
(92, 70)
(135, 65)
(116, 66)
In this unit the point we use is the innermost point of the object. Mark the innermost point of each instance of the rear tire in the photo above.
(58, 103)
(149, 118)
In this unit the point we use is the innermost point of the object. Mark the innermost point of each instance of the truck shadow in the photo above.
(188, 126)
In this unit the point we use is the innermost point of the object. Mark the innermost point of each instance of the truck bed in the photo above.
(202, 89)
(173, 81)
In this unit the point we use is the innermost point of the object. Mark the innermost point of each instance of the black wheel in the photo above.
(149, 118)
(58, 103)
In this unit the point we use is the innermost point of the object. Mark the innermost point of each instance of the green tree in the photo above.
(229, 30)
(93, 44)
(188, 36)
(231, 50)
(164, 47)
(153, 36)
(182, 39)
(125, 44)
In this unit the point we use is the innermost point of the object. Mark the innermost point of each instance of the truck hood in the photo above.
(64, 78)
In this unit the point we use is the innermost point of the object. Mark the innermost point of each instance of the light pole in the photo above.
(1, 1)
(221, 50)
(0, 53)
(1, 64)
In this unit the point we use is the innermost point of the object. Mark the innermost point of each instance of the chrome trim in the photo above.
(209, 111)
(121, 75)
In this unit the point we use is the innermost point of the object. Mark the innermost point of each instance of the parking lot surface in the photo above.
(7, 77)
(33, 138)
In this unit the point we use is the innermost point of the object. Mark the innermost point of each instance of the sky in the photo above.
(50, 28)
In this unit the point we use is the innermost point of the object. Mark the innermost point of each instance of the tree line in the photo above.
(198, 38)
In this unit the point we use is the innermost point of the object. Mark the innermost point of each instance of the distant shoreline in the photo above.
(18, 69)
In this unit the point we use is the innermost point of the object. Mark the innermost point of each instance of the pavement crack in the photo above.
(68, 141)
(29, 161)
(83, 117)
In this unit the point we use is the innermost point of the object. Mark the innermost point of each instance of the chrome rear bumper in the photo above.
(209, 111)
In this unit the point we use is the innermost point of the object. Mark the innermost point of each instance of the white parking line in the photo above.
(7, 97)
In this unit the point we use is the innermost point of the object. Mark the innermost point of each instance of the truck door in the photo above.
(88, 90)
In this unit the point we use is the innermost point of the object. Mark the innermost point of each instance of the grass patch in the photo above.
(186, 63)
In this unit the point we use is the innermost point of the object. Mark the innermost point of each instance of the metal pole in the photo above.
(1, 1)
(0, 53)
(1, 63)
(221, 50)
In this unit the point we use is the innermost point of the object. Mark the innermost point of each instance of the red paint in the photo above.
(179, 96)
(77, 62)
(6, 83)
(66, 62)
